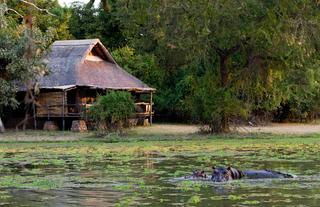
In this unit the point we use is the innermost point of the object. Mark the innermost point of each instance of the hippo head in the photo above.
(199, 174)
(221, 174)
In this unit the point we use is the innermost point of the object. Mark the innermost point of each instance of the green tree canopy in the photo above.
(88, 22)
(21, 51)
(247, 47)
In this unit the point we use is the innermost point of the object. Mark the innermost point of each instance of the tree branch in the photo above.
(35, 6)
(90, 4)
(20, 15)
(232, 50)
(267, 57)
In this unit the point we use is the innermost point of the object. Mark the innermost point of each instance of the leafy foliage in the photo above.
(210, 103)
(112, 111)
(143, 66)
(58, 25)
(251, 48)
(88, 22)
(21, 51)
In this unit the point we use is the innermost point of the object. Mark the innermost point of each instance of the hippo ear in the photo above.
(231, 172)
(213, 167)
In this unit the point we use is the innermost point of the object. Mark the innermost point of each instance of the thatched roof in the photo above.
(87, 63)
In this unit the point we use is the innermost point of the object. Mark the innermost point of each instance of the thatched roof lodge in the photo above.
(79, 70)
(87, 63)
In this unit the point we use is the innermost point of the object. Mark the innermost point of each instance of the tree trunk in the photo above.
(225, 127)
(224, 74)
(1, 126)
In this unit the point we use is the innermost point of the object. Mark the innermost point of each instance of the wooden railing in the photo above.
(81, 110)
(60, 110)
(143, 109)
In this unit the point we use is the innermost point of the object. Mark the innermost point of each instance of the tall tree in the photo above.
(21, 50)
(243, 45)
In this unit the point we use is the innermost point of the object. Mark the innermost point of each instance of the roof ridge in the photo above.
(76, 42)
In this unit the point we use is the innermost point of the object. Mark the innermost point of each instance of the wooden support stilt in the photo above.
(150, 113)
(48, 111)
(34, 116)
(63, 102)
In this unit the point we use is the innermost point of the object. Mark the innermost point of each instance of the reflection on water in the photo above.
(149, 180)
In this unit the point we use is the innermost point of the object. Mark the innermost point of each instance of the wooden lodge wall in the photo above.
(51, 104)
(75, 103)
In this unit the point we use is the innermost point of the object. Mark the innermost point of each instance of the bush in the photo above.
(111, 112)
(213, 106)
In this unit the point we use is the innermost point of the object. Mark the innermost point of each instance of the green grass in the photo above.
(140, 145)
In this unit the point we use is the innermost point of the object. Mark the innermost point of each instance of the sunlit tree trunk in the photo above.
(224, 78)
(1, 126)
(105, 4)
(224, 73)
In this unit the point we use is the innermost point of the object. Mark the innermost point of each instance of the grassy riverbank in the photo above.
(137, 143)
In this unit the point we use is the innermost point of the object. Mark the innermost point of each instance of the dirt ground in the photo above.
(277, 128)
(41, 136)
(288, 128)
(164, 129)
(160, 129)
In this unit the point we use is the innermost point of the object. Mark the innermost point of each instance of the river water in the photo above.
(152, 180)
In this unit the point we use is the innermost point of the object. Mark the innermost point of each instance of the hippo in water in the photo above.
(198, 174)
(222, 174)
